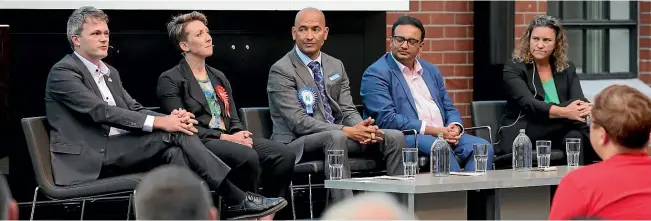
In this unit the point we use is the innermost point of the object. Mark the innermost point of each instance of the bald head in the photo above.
(373, 206)
(173, 193)
(309, 13)
(310, 32)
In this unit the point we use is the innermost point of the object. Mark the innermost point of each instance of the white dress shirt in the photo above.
(99, 74)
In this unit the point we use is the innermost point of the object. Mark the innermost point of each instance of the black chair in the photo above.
(37, 133)
(258, 121)
(489, 113)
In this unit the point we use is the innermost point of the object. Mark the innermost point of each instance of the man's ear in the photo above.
(326, 30)
(13, 210)
(213, 214)
(294, 33)
(75, 40)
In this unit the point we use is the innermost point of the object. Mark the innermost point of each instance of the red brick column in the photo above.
(644, 43)
(448, 44)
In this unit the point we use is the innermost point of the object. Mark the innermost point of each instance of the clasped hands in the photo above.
(178, 121)
(364, 132)
(451, 133)
(578, 110)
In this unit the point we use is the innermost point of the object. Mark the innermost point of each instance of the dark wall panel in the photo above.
(142, 52)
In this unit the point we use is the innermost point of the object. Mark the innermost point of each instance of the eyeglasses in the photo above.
(411, 42)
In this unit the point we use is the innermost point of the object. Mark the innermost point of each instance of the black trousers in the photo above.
(139, 152)
(268, 163)
(557, 130)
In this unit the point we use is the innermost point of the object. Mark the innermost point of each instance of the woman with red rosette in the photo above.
(205, 92)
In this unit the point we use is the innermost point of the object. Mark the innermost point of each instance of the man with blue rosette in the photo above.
(312, 109)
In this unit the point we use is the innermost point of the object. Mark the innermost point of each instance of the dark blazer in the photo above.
(81, 119)
(521, 84)
(178, 88)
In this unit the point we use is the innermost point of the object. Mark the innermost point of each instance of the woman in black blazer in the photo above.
(204, 91)
(544, 94)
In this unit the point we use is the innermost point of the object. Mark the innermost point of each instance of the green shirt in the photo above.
(551, 96)
(216, 121)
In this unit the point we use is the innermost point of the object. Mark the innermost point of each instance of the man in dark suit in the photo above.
(98, 130)
(297, 87)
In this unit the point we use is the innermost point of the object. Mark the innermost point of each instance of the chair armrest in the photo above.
(412, 132)
(490, 132)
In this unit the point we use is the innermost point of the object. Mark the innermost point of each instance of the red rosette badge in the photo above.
(223, 95)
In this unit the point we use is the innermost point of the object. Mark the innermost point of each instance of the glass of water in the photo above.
(573, 148)
(544, 152)
(480, 152)
(335, 164)
(410, 161)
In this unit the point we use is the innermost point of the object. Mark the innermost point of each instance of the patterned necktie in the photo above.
(320, 84)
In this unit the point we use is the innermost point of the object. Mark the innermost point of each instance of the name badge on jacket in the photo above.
(334, 77)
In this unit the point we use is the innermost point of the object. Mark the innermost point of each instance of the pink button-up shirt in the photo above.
(428, 112)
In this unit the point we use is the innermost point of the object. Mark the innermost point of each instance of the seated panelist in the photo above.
(312, 109)
(205, 92)
(406, 93)
(544, 94)
(98, 130)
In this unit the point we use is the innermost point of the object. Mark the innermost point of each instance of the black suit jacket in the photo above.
(178, 88)
(526, 97)
(81, 119)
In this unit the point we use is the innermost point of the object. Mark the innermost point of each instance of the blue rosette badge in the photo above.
(307, 98)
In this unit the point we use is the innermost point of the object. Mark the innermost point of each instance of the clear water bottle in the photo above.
(522, 152)
(440, 157)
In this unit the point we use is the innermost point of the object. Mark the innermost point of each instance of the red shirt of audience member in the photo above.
(620, 186)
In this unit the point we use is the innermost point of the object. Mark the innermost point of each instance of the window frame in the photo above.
(555, 8)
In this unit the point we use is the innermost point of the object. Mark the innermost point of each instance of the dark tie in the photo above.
(320, 84)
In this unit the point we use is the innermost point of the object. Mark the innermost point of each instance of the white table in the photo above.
(515, 195)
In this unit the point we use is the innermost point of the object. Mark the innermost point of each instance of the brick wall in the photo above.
(448, 44)
(644, 19)
(525, 11)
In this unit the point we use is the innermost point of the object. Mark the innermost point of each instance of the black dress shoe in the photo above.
(254, 206)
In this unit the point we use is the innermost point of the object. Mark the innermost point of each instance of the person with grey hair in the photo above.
(98, 130)
(368, 206)
(173, 193)
(206, 92)
(8, 206)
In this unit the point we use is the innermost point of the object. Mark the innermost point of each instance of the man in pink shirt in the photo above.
(402, 92)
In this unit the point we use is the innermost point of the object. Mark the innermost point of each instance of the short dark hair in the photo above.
(176, 26)
(172, 193)
(408, 20)
(625, 114)
(5, 198)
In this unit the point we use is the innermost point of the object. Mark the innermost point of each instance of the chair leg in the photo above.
(83, 208)
(129, 206)
(309, 183)
(31, 216)
(291, 194)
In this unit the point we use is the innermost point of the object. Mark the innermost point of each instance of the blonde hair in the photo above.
(521, 52)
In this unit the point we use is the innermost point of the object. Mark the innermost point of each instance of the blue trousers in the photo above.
(463, 150)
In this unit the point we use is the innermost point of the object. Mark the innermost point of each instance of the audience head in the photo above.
(621, 121)
(88, 33)
(190, 34)
(373, 206)
(173, 193)
(310, 31)
(8, 207)
(407, 38)
(543, 41)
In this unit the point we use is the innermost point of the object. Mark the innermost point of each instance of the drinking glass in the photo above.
(544, 152)
(573, 148)
(410, 161)
(480, 152)
(335, 164)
